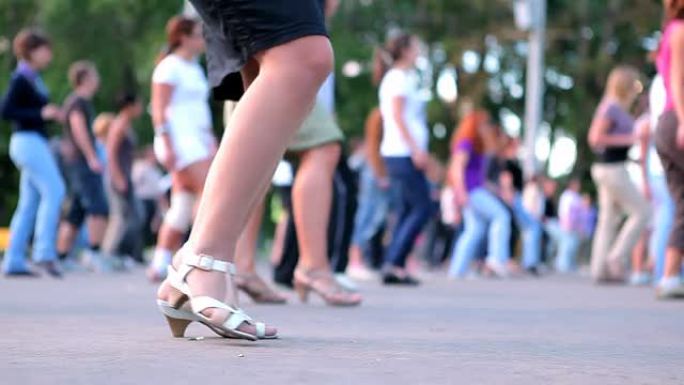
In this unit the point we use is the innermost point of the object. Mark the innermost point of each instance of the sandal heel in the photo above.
(178, 326)
(303, 290)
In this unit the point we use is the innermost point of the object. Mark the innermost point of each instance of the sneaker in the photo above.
(640, 279)
(361, 273)
(347, 283)
(393, 279)
(51, 268)
(97, 262)
(498, 268)
(670, 288)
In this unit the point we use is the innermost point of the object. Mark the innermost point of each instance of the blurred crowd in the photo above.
(381, 207)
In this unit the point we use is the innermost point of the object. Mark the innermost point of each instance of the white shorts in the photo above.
(189, 150)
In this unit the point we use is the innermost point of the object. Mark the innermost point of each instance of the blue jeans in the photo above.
(413, 205)
(372, 210)
(532, 231)
(663, 218)
(484, 215)
(568, 245)
(41, 192)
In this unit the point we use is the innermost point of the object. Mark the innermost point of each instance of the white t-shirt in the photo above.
(188, 113)
(569, 204)
(401, 83)
(657, 98)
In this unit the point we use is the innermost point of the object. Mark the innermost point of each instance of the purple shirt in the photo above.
(475, 169)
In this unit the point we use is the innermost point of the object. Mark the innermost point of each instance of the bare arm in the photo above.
(644, 132)
(161, 98)
(456, 176)
(599, 137)
(115, 137)
(79, 131)
(373, 140)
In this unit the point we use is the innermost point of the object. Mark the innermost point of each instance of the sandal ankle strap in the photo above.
(208, 263)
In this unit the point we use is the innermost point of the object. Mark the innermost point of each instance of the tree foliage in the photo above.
(586, 38)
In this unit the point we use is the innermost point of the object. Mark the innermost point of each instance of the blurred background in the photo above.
(475, 53)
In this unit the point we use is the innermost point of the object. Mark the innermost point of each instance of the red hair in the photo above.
(176, 28)
(469, 129)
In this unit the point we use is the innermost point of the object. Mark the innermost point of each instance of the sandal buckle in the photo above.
(205, 263)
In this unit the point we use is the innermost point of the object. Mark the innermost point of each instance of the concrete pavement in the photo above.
(94, 329)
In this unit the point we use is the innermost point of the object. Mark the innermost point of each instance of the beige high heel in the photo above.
(179, 319)
(258, 290)
(324, 284)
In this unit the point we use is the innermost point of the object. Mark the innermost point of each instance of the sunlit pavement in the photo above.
(94, 329)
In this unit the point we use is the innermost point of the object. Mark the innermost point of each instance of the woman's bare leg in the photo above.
(246, 250)
(311, 200)
(263, 123)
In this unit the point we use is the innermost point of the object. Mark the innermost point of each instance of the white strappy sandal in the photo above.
(179, 319)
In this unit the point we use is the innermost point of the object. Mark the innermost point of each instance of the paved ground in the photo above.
(91, 329)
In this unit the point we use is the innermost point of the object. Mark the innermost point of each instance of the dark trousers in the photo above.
(672, 159)
(340, 227)
(413, 208)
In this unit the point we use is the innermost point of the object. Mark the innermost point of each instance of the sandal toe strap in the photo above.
(260, 329)
(236, 317)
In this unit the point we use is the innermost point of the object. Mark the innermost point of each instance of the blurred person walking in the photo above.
(404, 149)
(570, 217)
(41, 190)
(484, 215)
(373, 199)
(184, 141)
(83, 168)
(124, 232)
(611, 134)
(150, 189)
(669, 139)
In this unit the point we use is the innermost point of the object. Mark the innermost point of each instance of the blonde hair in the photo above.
(623, 82)
(102, 124)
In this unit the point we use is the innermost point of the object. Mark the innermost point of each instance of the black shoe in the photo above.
(51, 269)
(22, 274)
(533, 271)
(393, 279)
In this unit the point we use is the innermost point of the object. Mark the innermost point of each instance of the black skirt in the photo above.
(236, 30)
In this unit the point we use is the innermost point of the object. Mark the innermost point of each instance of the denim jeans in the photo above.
(413, 205)
(41, 191)
(372, 209)
(532, 232)
(484, 215)
(663, 217)
(568, 245)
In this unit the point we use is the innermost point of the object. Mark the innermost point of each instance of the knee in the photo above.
(179, 216)
(318, 61)
(308, 60)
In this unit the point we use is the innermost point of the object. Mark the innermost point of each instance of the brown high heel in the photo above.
(323, 283)
(258, 290)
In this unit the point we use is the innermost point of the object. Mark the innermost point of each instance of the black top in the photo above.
(76, 103)
(497, 166)
(23, 105)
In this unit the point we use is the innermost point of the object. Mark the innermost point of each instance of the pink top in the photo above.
(664, 60)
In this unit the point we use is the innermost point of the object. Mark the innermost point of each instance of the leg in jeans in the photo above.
(532, 233)
(416, 196)
(466, 247)
(499, 227)
(608, 222)
(664, 218)
(21, 226)
(118, 223)
(370, 215)
(42, 192)
(567, 252)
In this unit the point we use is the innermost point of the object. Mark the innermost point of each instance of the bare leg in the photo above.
(673, 263)
(246, 250)
(66, 238)
(311, 200)
(97, 226)
(639, 254)
(264, 121)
